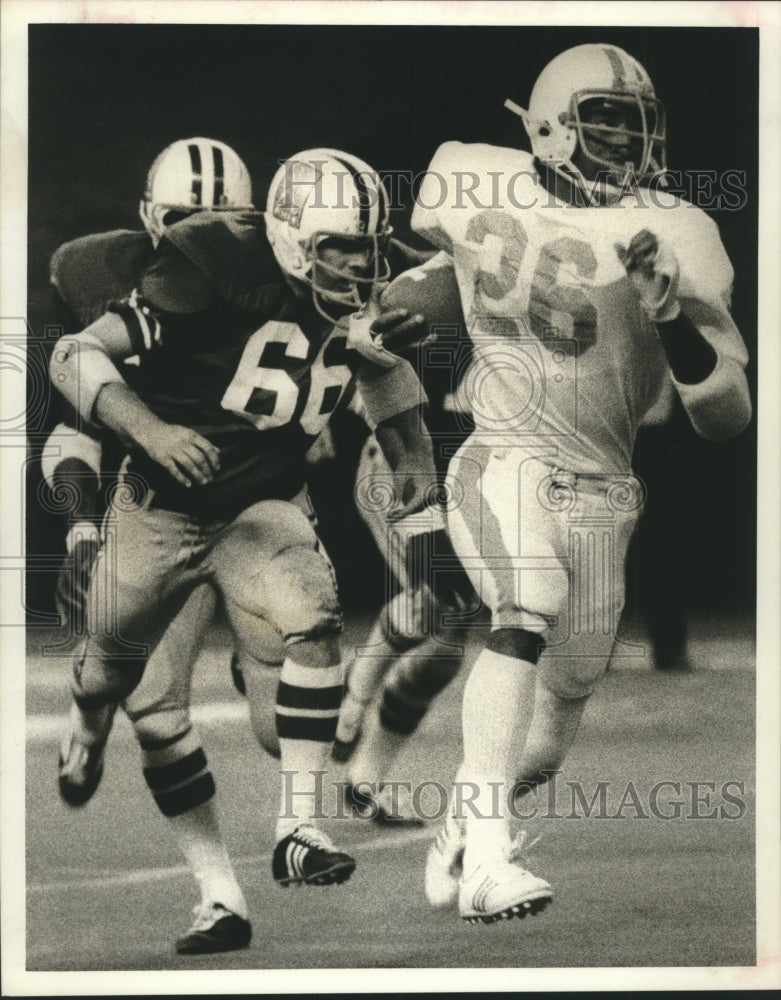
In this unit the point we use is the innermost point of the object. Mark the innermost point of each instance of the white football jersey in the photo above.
(565, 359)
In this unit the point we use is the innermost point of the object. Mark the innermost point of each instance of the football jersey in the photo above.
(234, 354)
(93, 271)
(564, 357)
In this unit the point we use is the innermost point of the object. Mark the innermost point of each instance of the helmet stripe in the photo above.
(195, 165)
(219, 176)
(364, 198)
(616, 64)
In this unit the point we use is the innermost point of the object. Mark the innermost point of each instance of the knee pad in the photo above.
(305, 605)
(519, 643)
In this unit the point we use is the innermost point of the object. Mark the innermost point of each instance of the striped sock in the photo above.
(308, 700)
(177, 773)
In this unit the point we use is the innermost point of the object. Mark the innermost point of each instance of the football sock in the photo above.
(308, 700)
(177, 774)
(497, 708)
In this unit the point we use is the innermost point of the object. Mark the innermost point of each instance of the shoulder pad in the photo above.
(99, 266)
(480, 157)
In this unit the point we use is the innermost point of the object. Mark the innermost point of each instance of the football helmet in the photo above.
(323, 197)
(193, 175)
(606, 76)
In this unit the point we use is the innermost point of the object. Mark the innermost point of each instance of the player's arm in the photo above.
(705, 352)
(393, 400)
(84, 369)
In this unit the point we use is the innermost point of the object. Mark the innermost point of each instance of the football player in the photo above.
(583, 295)
(415, 647)
(88, 274)
(253, 329)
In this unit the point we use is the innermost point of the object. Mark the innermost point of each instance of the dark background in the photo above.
(105, 99)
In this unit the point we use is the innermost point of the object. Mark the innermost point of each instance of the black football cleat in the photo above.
(215, 929)
(308, 857)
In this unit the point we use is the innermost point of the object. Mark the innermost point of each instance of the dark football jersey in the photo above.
(92, 272)
(235, 354)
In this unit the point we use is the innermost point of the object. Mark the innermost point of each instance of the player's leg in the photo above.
(413, 651)
(177, 773)
(579, 647)
(137, 587)
(271, 566)
(554, 725)
(499, 693)
(421, 666)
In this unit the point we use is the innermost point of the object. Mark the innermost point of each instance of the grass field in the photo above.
(107, 890)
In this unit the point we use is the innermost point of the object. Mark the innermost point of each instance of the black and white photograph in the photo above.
(389, 451)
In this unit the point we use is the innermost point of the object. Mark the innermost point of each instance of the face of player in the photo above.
(344, 270)
(606, 128)
(342, 257)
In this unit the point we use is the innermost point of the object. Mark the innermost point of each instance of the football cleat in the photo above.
(215, 929)
(82, 755)
(444, 864)
(445, 860)
(307, 856)
(500, 891)
(389, 807)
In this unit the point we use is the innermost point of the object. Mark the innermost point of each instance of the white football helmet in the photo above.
(323, 194)
(587, 73)
(194, 175)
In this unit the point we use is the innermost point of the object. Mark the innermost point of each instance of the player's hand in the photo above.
(653, 269)
(184, 453)
(397, 330)
(73, 579)
(379, 337)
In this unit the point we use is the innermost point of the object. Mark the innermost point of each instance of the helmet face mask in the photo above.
(609, 123)
(193, 175)
(327, 223)
(346, 269)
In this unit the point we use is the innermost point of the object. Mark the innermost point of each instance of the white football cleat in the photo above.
(444, 863)
(500, 890)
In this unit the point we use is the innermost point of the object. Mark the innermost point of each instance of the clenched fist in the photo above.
(653, 269)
